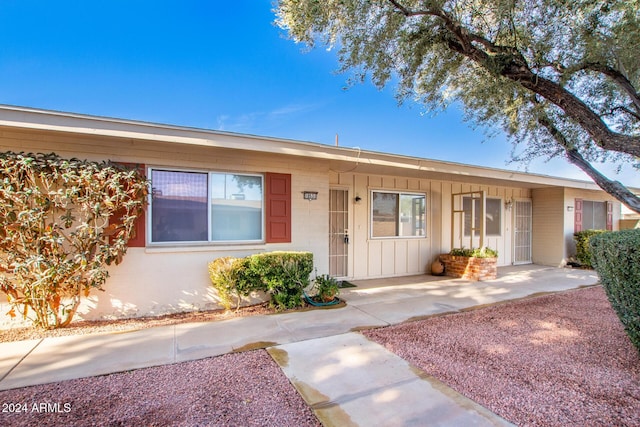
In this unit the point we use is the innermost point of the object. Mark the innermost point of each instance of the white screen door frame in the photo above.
(339, 232)
(522, 233)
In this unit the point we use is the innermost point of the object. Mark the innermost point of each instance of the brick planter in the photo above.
(470, 268)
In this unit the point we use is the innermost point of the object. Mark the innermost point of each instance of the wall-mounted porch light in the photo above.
(569, 208)
(508, 204)
(310, 195)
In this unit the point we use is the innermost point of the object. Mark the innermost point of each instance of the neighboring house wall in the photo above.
(554, 221)
(570, 196)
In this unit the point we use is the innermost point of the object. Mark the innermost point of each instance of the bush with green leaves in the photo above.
(616, 258)
(283, 275)
(483, 252)
(583, 250)
(224, 273)
(62, 221)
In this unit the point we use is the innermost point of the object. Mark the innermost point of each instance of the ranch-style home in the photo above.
(362, 214)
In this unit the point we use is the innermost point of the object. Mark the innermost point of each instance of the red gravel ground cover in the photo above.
(242, 389)
(557, 360)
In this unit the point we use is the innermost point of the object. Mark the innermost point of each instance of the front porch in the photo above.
(399, 299)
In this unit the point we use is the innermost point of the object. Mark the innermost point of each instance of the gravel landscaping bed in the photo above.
(557, 360)
(240, 389)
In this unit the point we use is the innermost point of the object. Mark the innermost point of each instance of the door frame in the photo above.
(335, 270)
(514, 220)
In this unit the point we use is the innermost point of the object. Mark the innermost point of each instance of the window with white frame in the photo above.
(493, 216)
(395, 214)
(189, 206)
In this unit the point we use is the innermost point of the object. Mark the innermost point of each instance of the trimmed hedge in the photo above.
(583, 250)
(283, 275)
(616, 258)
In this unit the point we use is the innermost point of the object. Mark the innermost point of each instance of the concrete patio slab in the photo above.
(349, 380)
(400, 299)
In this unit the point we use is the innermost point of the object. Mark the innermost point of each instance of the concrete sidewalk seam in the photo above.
(357, 307)
(21, 359)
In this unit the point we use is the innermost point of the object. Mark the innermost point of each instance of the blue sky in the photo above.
(224, 66)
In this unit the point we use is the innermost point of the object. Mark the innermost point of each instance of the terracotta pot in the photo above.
(437, 268)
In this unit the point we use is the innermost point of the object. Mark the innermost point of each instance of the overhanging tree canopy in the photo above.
(560, 77)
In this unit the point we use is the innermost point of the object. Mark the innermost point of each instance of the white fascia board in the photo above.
(45, 120)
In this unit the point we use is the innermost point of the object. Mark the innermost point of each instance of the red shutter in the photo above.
(278, 203)
(577, 215)
(609, 216)
(138, 238)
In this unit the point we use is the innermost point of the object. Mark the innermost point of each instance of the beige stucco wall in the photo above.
(157, 280)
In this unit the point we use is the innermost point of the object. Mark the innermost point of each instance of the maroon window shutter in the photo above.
(138, 238)
(278, 202)
(609, 216)
(577, 215)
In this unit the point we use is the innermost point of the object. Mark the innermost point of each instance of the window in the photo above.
(398, 214)
(594, 215)
(206, 207)
(493, 216)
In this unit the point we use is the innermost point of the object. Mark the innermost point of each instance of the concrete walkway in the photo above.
(346, 379)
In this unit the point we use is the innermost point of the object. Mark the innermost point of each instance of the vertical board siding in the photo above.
(397, 256)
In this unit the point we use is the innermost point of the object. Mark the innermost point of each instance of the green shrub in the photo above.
(61, 223)
(483, 252)
(583, 250)
(616, 258)
(283, 275)
(224, 275)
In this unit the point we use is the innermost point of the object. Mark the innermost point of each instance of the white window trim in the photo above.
(501, 204)
(399, 193)
(199, 243)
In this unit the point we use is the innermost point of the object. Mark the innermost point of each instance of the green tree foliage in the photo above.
(560, 77)
(56, 237)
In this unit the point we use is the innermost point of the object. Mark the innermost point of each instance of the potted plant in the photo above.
(326, 288)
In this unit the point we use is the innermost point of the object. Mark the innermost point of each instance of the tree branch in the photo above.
(508, 62)
(624, 110)
(617, 77)
(614, 188)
